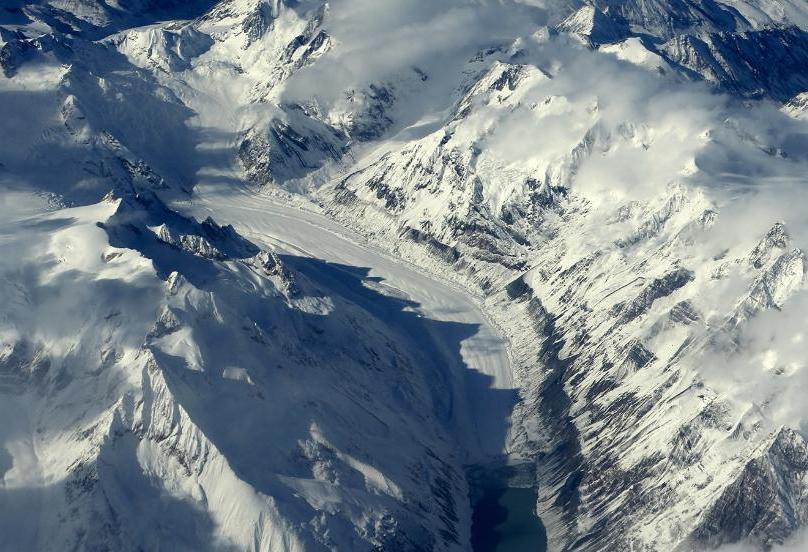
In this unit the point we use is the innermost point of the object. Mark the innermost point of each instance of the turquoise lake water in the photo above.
(504, 521)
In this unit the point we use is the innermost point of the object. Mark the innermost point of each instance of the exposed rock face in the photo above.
(731, 60)
(724, 43)
(764, 500)
(656, 289)
(666, 18)
(290, 149)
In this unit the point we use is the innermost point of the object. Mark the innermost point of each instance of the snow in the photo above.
(634, 51)
(173, 384)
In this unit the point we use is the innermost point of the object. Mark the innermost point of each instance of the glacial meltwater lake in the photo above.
(504, 521)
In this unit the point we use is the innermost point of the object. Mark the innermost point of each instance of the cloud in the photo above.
(377, 40)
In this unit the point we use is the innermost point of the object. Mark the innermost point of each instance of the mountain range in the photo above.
(289, 274)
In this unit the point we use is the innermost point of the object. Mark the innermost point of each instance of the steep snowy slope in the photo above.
(636, 233)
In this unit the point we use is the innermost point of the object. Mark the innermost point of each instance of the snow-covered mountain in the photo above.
(277, 272)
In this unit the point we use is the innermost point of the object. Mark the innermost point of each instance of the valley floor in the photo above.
(291, 225)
